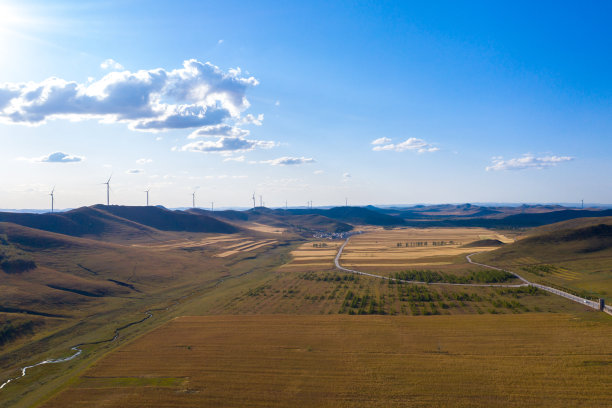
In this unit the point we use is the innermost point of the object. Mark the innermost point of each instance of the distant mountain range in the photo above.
(99, 221)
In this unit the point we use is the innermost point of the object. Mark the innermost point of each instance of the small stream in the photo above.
(77, 349)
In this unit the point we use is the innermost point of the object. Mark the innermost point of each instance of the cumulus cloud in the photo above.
(346, 176)
(318, 172)
(144, 161)
(528, 161)
(249, 119)
(413, 143)
(381, 140)
(198, 94)
(111, 64)
(288, 161)
(227, 145)
(57, 157)
(135, 171)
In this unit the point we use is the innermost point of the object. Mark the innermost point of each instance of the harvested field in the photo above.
(314, 254)
(190, 243)
(269, 229)
(348, 361)
(245, 246)
(411, 248)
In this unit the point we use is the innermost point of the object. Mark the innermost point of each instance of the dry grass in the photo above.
(412, 248)
(314, 254)
(246, 246)
(268, 229)
(342, 361)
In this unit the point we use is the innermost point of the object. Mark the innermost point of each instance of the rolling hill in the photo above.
(574, 254)
(119, 222)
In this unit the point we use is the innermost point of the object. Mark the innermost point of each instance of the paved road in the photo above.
(586, 302)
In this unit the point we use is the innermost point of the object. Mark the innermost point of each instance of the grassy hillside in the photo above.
(575, 254)
(119, 222)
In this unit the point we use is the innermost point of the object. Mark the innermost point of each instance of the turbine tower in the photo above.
(193, 199)
(253, 199)
(261, 201)
(52, 196)
(346, 201)
(147, 191)
(212, 206)
(108, 189)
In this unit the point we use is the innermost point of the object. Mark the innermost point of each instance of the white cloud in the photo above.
(57, 157)
(412, 143)
(277, 103)
(528, 161)
(135, 171)
(198, 94)
(381, 140)
(220, 42)
(218, 130)
(346, 176)
(227, 145)
(144, 161)
(249, 119)
(318, 172)
(288, 161)
(111, 64)
(236, 159)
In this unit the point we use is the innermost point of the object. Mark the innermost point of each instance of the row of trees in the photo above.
(413, 244)
(481, 276)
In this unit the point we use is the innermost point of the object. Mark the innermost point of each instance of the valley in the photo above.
(80, 288)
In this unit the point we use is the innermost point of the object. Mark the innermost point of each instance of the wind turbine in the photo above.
(212, 206)
(261, 201)
(52, 196)
(253, 199)
(193, 199)
(147, 191)
(346, 201)
(108, 189)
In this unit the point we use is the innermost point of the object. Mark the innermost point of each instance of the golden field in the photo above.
(538, 360)
(380, 250)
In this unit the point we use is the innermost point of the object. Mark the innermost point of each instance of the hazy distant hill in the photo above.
(281, 219)
(353, 215)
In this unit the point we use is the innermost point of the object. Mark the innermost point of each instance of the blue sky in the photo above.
(380, 102)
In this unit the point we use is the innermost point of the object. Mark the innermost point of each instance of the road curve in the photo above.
(501, 285)
(578, 299)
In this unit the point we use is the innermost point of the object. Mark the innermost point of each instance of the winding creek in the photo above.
(77, 348)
